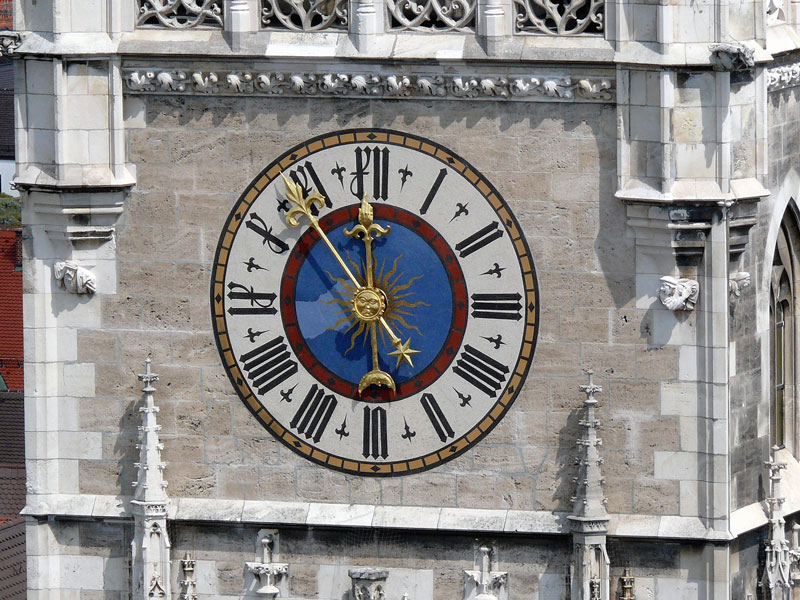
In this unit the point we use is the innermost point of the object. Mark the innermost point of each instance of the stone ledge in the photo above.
(366, 515)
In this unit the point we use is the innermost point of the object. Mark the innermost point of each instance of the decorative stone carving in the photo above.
(560, 17)
(626, 581)
(74, 278)
(444, 86)
(9, 42)
(590, 568)
(736, 283)
(776, 581)
(432, 16)
(484, 582)
(304, 15)
(188, 582)
(179, 14)
(678, 294)
(732, 56)
(150, 548)
(782, 77)
(269, 573)
(368, 583)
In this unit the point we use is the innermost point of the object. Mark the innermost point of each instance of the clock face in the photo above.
(380, 336)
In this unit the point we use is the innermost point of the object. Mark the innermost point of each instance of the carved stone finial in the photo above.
(150, 546)
(627, 585)
(74, 278)
(589, 520)
(485, 582)
(732, 56)
(678, 293)
(270, 576)
(776, 580)
(188, 581)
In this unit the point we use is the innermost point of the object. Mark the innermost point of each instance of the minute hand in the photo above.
(302, 207)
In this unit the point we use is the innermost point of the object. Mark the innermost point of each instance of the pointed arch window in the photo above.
(785, 283)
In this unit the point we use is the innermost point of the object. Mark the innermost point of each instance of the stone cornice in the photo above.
(371, 83)
(317, 514)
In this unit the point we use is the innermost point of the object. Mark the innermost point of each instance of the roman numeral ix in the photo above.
(268, 365)
(482, 371)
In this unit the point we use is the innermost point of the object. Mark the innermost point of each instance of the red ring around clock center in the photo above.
(298, 254)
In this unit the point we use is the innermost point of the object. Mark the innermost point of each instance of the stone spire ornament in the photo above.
(150, 549)
(589, 519)
(776, 580)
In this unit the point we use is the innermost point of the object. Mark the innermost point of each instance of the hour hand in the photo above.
(302, 207)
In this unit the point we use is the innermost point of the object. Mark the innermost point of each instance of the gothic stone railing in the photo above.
(552, 17)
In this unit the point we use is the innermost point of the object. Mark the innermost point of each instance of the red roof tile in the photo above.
(12, 492)
(12, 433)
(11, 352)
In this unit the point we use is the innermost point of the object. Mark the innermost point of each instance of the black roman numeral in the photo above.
(497, 306)
(260, 302)
(482, 371)
(268, 365)
(258, 225)
(375, 437)
(433, 191)
(314, 413)
(306, 177)
(435, 414)
(375, 161)
(479, 239)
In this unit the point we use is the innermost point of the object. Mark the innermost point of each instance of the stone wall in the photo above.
(554, 164)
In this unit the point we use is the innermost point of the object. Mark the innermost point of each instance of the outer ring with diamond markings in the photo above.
(266, 406)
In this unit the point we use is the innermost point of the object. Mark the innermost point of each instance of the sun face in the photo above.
(361, 306)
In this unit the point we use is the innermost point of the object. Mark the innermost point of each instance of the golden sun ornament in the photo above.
(398, 307)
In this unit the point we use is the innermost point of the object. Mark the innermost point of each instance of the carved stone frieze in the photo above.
(9, 42)
(783, 77)
(74, 278)
(444, 86)
(678, 293)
